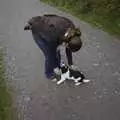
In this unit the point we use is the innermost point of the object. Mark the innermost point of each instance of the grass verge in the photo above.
(94, 19)
(5, 98)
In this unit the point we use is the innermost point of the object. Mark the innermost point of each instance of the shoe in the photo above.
(53, 78)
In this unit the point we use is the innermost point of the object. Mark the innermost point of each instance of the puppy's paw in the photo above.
(60, 81)
(86, 81)
(78, 83)
(77, 79)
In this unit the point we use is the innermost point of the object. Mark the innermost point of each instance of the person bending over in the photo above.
(49, 32)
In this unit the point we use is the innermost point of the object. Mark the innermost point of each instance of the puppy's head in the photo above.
(64, 68)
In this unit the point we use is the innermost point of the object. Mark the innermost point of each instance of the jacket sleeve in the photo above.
(65, 55)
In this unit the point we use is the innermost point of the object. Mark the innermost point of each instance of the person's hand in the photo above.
(57, 71)
(27, 27)
(73, 67)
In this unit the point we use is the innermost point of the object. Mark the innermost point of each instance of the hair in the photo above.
(75, 43)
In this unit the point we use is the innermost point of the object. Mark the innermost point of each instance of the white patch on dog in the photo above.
(86, 81)
(77, 79)
(78, 83)
(64, 76)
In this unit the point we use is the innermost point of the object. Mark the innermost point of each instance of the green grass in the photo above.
(110, 26)
(5, 98)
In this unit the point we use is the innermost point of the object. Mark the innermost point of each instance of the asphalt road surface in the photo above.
(35, 97)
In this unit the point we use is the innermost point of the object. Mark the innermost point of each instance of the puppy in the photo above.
(70, 74)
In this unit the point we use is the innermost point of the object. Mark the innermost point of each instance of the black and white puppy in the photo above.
(70, 74)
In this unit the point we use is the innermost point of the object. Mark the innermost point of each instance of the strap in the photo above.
(70, 33)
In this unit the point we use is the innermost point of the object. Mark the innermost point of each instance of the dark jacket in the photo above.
(51, 28)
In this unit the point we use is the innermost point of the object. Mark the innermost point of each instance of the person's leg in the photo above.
(58, 58)
(52, 61)
(44, 47)
(49, 65)
(52, 56)
(69, 56)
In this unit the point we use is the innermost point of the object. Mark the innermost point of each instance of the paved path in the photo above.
(39, 99)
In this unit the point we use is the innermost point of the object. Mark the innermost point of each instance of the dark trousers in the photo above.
(52, 56)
